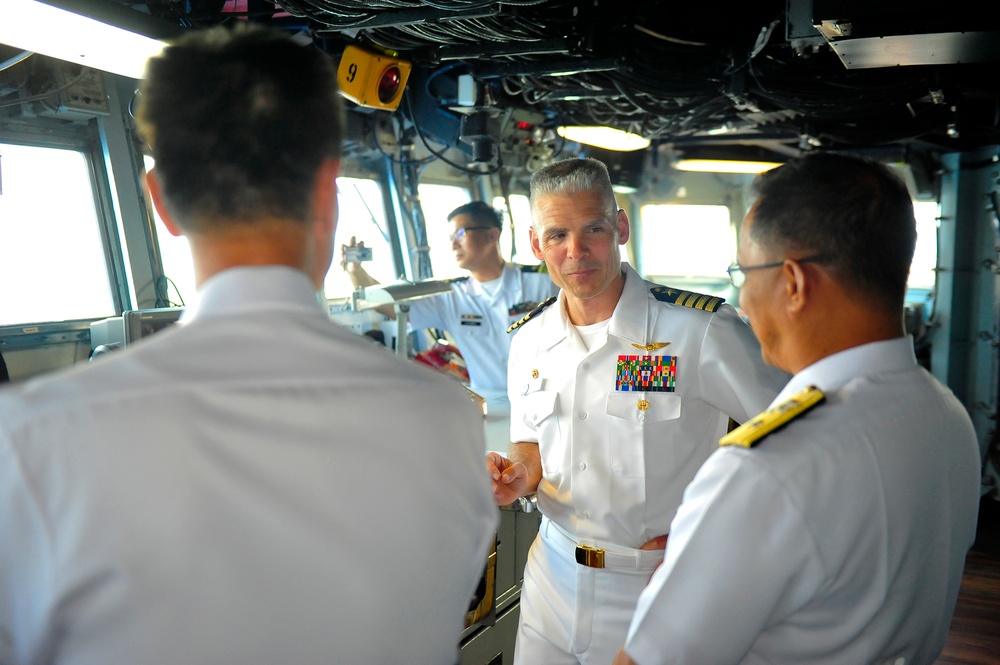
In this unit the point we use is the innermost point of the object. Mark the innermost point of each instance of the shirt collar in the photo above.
(246, 287)
(836, 370)
(628, 321)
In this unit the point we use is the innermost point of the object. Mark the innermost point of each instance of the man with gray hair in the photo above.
(619, 390)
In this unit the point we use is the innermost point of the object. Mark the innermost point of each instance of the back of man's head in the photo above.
(855, 213)
(571, 176)
(480, 213)
(239, 120)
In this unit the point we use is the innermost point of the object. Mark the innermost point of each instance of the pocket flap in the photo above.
(659, 406)
(539, 406)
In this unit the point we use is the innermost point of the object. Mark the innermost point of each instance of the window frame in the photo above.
(42, 133)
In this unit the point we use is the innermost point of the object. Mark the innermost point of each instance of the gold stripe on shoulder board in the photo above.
(687, 298)
(532, 313)
(753, 432)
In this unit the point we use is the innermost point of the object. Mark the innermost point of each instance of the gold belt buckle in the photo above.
(592, 557)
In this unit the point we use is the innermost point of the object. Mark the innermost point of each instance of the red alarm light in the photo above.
(388, 84)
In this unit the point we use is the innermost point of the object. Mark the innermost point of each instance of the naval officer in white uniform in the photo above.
(236, 489)
(834, 528)
(619, 390)
(480, 307)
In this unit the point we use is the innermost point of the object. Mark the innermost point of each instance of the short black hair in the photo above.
(857, 212)
(481, 212)
(239, 120)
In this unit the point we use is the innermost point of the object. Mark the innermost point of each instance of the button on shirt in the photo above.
(614, 469)
(838, 539)
(240, 489)
(478, 322)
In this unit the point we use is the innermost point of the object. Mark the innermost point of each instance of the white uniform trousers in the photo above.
(571, 613)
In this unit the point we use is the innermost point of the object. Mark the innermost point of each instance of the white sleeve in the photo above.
(739, 554)
(429, 312)
(734, 377)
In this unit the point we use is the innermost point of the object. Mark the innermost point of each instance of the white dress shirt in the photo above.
(478, 322)
(838, 539)
(256, 485)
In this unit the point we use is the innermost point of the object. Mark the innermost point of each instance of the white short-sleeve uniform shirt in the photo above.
(840, 538)
(615, 456)
(478, 321)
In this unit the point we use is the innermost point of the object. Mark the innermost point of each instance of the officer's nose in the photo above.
(576, 246)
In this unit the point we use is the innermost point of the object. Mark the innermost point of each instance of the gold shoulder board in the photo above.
(687, 298)
(541, 267)
(751, 433)
(534, 312)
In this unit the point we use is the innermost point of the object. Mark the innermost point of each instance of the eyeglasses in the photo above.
(461, 233)
(737, 273)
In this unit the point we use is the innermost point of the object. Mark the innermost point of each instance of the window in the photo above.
(686, 241)
(922, 274)
(175, 255)
(437, 202)
(362, 215)
(522, 222)
(53, 264)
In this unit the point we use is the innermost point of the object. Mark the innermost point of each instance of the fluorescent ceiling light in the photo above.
(723, 166)
(41, 28)
(604, 137)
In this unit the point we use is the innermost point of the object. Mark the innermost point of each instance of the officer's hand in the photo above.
(510, 479)
(623, 658)
(350, 266)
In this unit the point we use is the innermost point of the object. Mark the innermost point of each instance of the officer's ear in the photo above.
(536, 247)
(622, 226)
(798, 285)
(152, 183)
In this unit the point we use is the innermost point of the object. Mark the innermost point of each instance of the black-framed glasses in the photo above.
(461, 233)
(737, 273)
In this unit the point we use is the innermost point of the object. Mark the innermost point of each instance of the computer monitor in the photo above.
(119, 331)
(139, 323)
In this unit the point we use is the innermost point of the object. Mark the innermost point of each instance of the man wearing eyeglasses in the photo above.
(619, 391)
(480, 307)
(833, 528)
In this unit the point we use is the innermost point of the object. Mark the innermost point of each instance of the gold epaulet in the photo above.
(541, 267)
(750, 433)
(687, 298)
(541, 306)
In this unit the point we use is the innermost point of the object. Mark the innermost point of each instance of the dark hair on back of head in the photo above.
(855, 211)
(239, 120)
(481, 212)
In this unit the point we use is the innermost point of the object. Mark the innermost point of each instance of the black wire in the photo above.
(464, 169)
(385, 153)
